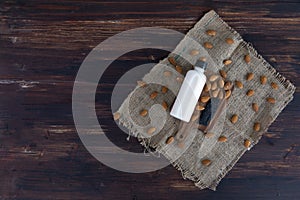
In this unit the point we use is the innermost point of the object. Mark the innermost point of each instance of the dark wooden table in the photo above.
(42, 45)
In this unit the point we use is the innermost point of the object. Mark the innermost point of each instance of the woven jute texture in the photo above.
(189, 147)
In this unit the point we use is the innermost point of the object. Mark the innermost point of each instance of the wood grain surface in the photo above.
(42, 45)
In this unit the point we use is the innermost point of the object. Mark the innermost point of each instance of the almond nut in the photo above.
(209, 134)
(223, 74)
(256, 126)
(213, 77)
(167, 73)
(153, 95)
(141, 83)
(250, 93)
(211, 32)
(200, 107)
(214, 86)
(164, 89)
(247, 58)
(204, 99)
(247, 143)
(151, 130)
(239, 84)
(229, 41)
(202, 59)
(164, 105)
(263, 80)
(172, 61)
(221, 94)
(206, 162)
(208, 45)
(274, 86)
(221, 83)
(180, 145)
(178, 69)
(234, 119)
(116, 116)
(271, 100)
(208, 85)
(170, 140)
(222, 139)
(194, 52)
(215, 93)
(144, 112)
(179, 79)
(227, 62)
(206, 88)
(228, 85)
(227, 94)
(255, 107)
(250, 76)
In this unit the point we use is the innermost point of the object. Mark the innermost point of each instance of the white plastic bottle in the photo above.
(189, 93)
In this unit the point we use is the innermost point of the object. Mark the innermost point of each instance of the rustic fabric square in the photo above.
(242, 97)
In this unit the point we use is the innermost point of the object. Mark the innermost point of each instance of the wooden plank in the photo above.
(42, 47)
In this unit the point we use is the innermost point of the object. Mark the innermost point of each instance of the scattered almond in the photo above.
(263, 80)
(247, 143)
(250, 93)
(211, 32)
(164, 105)
(178, 69)
(164, 89)
(221, 94)
(153, 95)
(234, 119)
(194, 52)
(250, 76)
(223, 74)
(172, 61)
(206, 162)
(209, 134)
(222, 139)
(221, 83)
(229, 41)
(255, 107)
(227, 62)
(228, 85)
(213, 77)
(167, 73)
(215, 93)
(206, 88)
(274, 86)
(170, 140)
(144, 112)
(141, 83)
(179, 79)
(202, 59)
(227, 94)
(204, 99)
(208, 45)
(151, 130)
(200, 107)
(247, 58)
(214, 86)
(208, 85)
(116, 116)
(180, 145)
(271, 100)
(239, 84)
(256, 126)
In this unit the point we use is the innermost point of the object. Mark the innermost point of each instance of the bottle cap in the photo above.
(201, 64)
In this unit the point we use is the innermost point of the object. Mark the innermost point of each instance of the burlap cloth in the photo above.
(188, 152)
